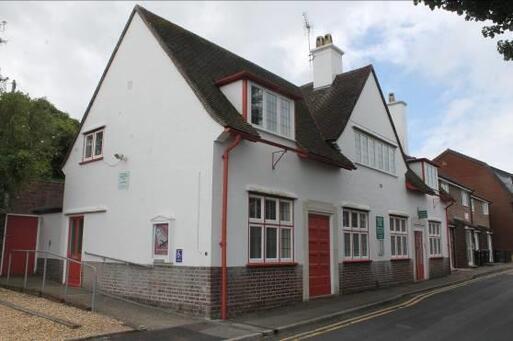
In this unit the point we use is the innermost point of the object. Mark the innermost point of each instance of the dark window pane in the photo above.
(256, 105)
(354, 219)
(285, 243)
(285, 211)
(255, 208)
(345, 218)
(270, 209)
(255, 242)
(271, 243)
(99, 143)
(89, 146)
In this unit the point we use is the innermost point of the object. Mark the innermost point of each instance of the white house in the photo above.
(238, 190)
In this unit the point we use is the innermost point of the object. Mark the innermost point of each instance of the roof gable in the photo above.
(203, 63)
(332, 106)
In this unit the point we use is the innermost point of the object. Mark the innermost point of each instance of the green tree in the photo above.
(498, 12)
(34, 138)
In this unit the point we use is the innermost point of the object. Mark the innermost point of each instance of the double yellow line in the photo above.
(381, 312)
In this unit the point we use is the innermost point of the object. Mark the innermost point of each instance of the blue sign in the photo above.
(179, 253)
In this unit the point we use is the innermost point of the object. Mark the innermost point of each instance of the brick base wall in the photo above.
(182, 288)
(439, 267)
(196, 290)
(372, 275)
(54, 269)
(251, 289)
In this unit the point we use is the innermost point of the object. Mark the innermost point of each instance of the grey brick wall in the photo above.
(372, 275)
(196, 290)
(439, 267)
(182, 288)
(251, 289)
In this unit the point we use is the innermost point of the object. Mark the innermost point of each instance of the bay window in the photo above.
(373, 152)
(270, 229)
(435, 239)
(355, 226)
(399, 237)
(271, 112)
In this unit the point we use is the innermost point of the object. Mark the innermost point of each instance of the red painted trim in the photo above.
(245, 99)
(449, 238)
(224, 214)
(89, 161)
(270, 265)
(423, 159)
(357, 261)
(90, 131)
(246, 75)
(301, 152)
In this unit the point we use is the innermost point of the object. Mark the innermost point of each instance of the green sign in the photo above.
(422, 214)
(380, 228)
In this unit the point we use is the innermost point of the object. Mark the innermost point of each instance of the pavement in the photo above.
(157, 323)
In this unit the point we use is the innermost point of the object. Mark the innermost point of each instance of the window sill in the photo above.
(89, 161)
(348, 261)
(376, 169)
(398, 259)
(270, 265)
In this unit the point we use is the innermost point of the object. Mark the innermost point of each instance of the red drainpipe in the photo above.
(224, 212)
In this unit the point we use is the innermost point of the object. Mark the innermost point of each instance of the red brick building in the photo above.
(487, 182)
(468, 218)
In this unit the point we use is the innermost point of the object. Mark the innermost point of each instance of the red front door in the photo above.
(319, 254)
(419, 256)
(76, 227)
(20, 234)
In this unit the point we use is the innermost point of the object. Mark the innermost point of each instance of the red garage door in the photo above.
(21, 233)
(319, 254)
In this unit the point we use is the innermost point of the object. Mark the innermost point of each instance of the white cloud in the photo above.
(59, 50)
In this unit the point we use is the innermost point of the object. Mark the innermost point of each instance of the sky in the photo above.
(459, 90)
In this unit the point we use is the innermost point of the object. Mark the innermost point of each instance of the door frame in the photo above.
(68, 249)
(424, 263)
(330, 210)
(2, 255)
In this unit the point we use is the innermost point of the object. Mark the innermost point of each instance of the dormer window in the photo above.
(93, 145)
(271, 112)
(431, 176)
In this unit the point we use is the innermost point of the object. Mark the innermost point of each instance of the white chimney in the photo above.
(398, 111)
(327, 61)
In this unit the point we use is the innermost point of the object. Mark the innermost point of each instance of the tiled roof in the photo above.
(203, 63)
(332, 106)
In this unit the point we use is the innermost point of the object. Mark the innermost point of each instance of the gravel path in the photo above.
(18, 326)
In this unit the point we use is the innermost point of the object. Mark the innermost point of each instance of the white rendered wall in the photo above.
(383, 193)
(310, 181)
(51, 236)
(155, 120)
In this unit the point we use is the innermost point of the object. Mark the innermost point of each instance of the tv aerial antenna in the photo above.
(308, 29)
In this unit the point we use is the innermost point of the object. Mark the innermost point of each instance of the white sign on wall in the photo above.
(123, 180)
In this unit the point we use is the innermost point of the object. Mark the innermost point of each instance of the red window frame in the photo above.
(93, 133)
(265, 224)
